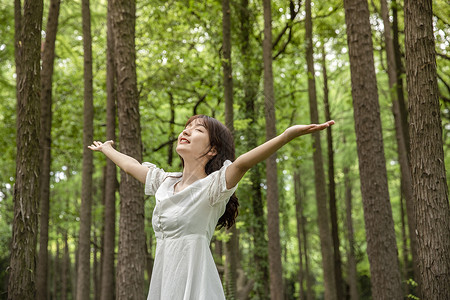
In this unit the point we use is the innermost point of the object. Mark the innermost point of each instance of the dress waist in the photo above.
(192, 236)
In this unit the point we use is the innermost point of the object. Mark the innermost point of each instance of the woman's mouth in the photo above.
(184, 141)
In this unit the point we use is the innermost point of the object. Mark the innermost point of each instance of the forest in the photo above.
(357, 211)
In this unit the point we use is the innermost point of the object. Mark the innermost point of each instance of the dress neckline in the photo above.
(172, 188)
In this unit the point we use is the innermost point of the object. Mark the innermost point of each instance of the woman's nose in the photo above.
(186, 132)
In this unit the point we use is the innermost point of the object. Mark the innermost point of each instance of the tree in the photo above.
(130, 266)
(431, 207)
(231, 246)
(304, 273)
(351, 259)
(402, 148)
(384, 269)
(251, 73)
(326, 243)
(273, 220)
(109, 238)
(26, 188)
(332, 186)
(84, 238)
(48, 57)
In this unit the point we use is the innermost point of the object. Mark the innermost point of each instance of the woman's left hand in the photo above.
(298, 130)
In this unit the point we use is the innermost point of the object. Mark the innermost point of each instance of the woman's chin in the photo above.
(180, 150)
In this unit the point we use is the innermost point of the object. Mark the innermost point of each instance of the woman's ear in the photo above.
(212, 152)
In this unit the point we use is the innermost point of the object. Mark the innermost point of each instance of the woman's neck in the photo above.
(193, 171)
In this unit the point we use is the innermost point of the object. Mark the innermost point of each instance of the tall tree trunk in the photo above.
(130, 269)
(171, 130)
(75, 274)
(22, 266)
(405, 260)
(56, 267)
(308, 275)
(149, 260)
(107, 286)
(231, 261)
(351, 260)
(402, 149)
(298, 214)
(95, 265)
(431, 209)
(381, 243)
(251, 77)
(48, 57)
(400, 74)
(273, 219)
(332, 187)
(84, 241)
(67, 285)
(403, 112)
(326, 243)
(232, 246)
(65, 267)
(226, 64)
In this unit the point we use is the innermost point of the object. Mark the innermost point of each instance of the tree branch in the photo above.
(443, 55)
(170, 141)
(334, 10)
(288, 25)
(440, 19)
(444, 82)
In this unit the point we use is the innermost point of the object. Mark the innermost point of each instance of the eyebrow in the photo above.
(196, 125)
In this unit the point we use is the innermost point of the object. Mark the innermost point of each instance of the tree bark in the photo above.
(309, 279)
(400, 74)
(381, 243)
(351, 260)
(273, 219)
(65, 268)
(332, 187)
(84, 241)
(48, 57)
(405, 259)
(251, 77)
(130, 266)
(402, 149)
(96, 266)
(232, 246)
(107, 286)
(22, 268)
(298, 214)
(326, 243)
(149, 257)
(55, 280)
(431, 209)
(172, 134)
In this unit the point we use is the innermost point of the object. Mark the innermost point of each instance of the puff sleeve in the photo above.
(217, 190)
(154, 179)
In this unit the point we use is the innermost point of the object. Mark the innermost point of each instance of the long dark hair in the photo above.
(222, 141)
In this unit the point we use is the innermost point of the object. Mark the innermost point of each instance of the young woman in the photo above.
(191, 204)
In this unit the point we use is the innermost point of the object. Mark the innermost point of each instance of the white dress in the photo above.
(184, 224)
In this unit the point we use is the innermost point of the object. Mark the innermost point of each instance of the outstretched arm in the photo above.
(123, 161)
(243, 163)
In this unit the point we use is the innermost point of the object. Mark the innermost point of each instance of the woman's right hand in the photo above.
(99, 146)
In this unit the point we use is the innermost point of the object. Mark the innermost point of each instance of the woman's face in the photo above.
(193, 141)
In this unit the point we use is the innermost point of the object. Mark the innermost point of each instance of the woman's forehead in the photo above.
(197, 122)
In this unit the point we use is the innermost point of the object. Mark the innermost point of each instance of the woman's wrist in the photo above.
(287, 136)
(106, 148)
